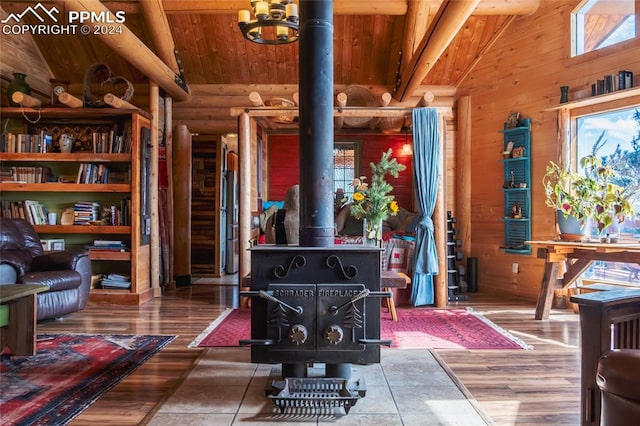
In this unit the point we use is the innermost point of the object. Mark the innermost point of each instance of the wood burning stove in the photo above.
(315, 303)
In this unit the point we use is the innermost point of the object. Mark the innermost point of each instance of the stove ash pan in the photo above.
(315, 306)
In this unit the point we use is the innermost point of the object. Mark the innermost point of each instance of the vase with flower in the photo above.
(373, 203)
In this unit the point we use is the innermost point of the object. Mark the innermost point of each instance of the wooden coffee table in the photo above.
(20, 332)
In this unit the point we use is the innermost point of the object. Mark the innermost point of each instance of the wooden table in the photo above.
(576, 257)
(20, 333)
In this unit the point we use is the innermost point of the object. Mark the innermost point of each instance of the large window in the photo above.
(346, 166)
(614, 137)
(600, 23)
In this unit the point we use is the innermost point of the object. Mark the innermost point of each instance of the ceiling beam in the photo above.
(158, 26)
(351, 7)
(340, 7)
(443, 28)
(415, 27)
(367, 112)
(133, 50)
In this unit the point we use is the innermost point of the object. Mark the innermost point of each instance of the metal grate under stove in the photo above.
(316, 393)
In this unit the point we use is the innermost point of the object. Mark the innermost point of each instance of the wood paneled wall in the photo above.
(283, 163)
(523, 72)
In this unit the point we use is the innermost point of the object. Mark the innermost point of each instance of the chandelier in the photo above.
(275, 22)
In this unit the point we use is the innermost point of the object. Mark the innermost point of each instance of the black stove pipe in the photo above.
(316, 141)
(316, 123)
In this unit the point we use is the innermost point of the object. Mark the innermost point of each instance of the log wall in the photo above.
(523, 72)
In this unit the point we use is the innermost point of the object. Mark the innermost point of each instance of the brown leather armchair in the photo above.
(67, 272)
(619, 382)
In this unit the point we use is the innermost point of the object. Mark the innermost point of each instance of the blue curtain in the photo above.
(426, 166)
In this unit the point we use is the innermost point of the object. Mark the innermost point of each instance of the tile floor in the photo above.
(408, 387)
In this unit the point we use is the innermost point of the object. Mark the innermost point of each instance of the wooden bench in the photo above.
(20, 332)
(389, 280)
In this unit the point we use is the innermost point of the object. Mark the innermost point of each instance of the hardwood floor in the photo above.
(539, 386)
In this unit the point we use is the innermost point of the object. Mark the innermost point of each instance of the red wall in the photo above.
(283, 164)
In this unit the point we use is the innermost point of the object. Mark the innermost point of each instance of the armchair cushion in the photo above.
(55, 280)
(619, 373)
(57, 260)
(618, 377)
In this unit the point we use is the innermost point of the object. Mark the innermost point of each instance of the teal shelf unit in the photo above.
(517, 189)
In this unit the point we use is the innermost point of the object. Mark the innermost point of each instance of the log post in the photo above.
(244, 199)
(341, 102)
(154, 109)
(182, 206)
(115, 102)
(463, 179)
(440, 231)
(427, 99)
(256, 99)
(385, 100)
(168, 139)
(26, 100)
(70, 100)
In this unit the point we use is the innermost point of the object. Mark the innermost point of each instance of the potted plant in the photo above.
(610, 201)
(578, 197)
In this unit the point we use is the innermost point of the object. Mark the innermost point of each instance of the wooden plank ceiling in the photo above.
(374, 42)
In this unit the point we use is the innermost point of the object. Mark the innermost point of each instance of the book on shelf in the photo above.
(32, 211)
(26, 142)
(25, 174)
(107, 245)
(115, 280)
(103, 249)
(92, 173)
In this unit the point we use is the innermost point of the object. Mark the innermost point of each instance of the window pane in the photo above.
(615, 138)
(345, 170)
(601, 23)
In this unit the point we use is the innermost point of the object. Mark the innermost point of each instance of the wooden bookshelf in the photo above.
(132, 127)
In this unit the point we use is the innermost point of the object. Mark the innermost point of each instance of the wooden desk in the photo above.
(20, 333)
(577, 257)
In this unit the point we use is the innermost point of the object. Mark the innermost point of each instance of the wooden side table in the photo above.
(20, 332)
(389, 280)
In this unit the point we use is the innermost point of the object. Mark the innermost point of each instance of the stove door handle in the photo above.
(380, 294)
(257, 342)
(376, 342)
(265, 295)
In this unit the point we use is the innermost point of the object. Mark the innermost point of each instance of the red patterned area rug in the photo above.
(416, 328)
(67, 374)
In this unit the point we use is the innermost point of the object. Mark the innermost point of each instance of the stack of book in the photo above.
(114, 280)
(107, 245)
(84, 212)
